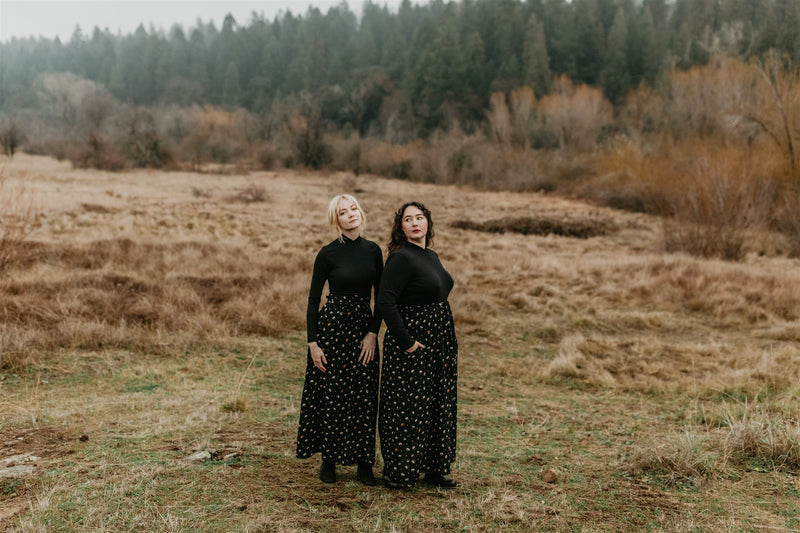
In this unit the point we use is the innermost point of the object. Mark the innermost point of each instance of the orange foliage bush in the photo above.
(215, 135)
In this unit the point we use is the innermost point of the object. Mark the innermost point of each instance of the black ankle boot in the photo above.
(440, 480)
(327, 472)
(365, 475)
(391, 484)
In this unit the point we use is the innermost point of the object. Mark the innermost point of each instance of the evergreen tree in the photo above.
(432, 63)
(559, 20)
(536, 72)
(232, 91)
(589, 35)
(787, 38)
(652, 53)
(615, 78)
(198, 59)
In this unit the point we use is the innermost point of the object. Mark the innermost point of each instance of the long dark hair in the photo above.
(397, 238)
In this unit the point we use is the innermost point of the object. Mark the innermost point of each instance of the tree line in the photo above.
(398, 75)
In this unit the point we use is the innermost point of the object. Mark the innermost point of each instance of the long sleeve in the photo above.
(377, 317)
(318, 279)
(396, 276)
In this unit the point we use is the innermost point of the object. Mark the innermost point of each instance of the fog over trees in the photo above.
(423, 66)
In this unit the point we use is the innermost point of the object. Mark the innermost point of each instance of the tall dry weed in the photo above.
(16, 218)
(754, 433)
(680, 459)
(716, 205)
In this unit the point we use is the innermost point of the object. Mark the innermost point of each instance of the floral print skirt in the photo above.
(417, 419)
(339, 407)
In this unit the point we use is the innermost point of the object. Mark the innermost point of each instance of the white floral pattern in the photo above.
(339, 407)
(418, 402)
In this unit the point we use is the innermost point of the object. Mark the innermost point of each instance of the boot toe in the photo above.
(440, 480)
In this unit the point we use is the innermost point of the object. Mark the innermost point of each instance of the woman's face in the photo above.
(415, 225)
(349, 216)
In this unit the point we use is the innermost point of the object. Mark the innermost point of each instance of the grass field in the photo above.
(149, 316)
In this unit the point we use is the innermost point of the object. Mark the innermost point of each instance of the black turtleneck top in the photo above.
(352, 267)
(413, 276)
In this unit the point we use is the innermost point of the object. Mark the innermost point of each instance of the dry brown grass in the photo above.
(159, 322)
(16, 214)
(680, 459)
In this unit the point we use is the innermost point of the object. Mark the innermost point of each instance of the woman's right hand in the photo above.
(317, 356)
(415, 346)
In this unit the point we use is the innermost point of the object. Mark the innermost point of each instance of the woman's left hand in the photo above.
(368, 348)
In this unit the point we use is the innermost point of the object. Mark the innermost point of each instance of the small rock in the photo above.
(549, 475)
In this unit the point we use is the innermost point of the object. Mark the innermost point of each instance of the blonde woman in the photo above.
(340, 395)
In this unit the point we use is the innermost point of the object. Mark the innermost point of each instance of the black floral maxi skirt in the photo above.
(339, 407)
(417, 419)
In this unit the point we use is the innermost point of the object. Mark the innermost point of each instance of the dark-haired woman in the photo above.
(340, 395)
(417, 418)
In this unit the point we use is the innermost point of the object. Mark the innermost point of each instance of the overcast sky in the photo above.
(52, 18)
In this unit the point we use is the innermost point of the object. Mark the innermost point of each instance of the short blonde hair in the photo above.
(333, 214)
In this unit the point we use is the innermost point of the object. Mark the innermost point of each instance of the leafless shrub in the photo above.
(311, 148)
(496, 167)
(715, 199)
(63, 95)
(445, 159)
(384, 159)
(267, 157)
(50, 144)
(140, 140)
(209, 134)
(575, 115)
(625, 178)
(10, 138)
(97, 153)
(499, 119)
(719, 203)
(346, 154)
(786, 218)
(457, 158)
